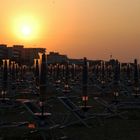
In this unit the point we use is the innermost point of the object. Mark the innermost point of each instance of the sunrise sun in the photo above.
(26, 30)
(26, 27)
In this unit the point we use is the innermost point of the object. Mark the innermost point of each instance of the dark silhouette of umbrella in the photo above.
(85, 81)
(136, 71)
(13, 71)
(57, 71)
(16, 70)
(116, 72)
(128, 71)
(21, 71)
(103, 70)
(73, 71)
(136, 78)
(37, 72)
(66, 73)
(43, 77)
(43, 71)
(5, 75)
(10, 66)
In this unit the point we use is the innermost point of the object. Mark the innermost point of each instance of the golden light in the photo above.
(26, 27)
(26, 30)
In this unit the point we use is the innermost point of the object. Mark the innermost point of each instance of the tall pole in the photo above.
(5, 75)
(37, 72)
(43, 74)
(85, 81)
(135, 71)
(5, 78)
(136, 77)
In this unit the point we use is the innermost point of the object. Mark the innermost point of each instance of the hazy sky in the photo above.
(78, 28)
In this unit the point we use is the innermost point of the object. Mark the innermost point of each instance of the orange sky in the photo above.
(78, 28)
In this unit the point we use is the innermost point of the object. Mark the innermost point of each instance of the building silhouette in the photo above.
(19, 54)
(55, 57)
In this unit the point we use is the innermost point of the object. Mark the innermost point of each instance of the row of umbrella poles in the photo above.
(43, 80)
(72, 71)
(41, 76)
(67, 71)
(101, 74)
(46, 70)
(10, 72)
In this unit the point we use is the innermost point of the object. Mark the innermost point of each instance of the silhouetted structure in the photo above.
(85, 83)
(19, 54)
(55, 57)
(43, 77)
(37, 72)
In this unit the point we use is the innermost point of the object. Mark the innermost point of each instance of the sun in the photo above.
(26, 30)
(26, 27)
